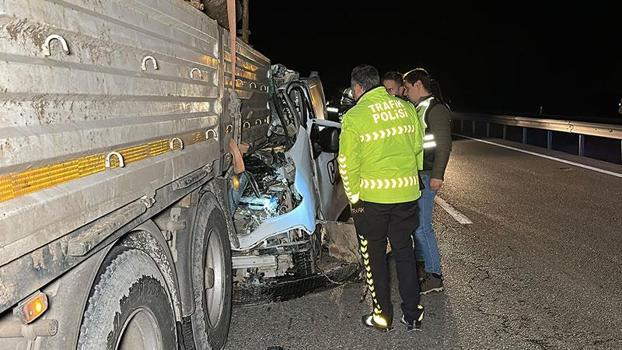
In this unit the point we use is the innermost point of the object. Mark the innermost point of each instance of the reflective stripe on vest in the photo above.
(385, 184)
(428, 141)
(388, 132)
(343, 171)
(422, 110)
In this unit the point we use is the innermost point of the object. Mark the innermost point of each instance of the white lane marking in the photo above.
(458, 216)
(547, 157)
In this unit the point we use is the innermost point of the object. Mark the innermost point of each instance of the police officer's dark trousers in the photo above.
(375, 223)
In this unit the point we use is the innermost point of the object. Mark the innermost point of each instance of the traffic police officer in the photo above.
(380, 151)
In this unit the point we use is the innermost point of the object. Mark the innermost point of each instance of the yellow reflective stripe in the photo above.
(379, 320)
(388, 132)
(353, 197)
(391, 183)
(369, 276)
(16, 184)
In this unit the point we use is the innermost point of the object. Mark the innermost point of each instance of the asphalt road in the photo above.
(539, 268)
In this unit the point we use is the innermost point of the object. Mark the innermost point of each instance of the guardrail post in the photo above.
(581, 145)
(525, 135)
(549, 139)
(505, 131)
(462, 125)
(473, 127)
(487, 129)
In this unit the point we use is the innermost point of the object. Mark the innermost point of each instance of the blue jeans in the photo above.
(426, 248)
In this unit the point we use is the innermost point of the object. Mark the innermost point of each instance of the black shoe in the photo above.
(413, 325)
(431, 284)
(368, 321)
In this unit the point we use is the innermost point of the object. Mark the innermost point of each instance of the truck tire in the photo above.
(212, 281)
(129, 306)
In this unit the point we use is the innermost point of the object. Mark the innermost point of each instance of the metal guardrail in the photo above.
(581, 129)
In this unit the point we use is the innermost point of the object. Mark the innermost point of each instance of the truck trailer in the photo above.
(142, 175)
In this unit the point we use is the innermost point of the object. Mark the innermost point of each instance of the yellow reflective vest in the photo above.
(380, 149)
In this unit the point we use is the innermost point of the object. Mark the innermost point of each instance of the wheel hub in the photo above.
(141, 331)
(209, 278)
(214, 277)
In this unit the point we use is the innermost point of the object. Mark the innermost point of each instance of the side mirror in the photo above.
(329, 139)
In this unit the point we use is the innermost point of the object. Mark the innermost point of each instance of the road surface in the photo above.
(539, 268)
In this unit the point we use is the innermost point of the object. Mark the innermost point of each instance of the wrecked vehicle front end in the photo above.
(286, 187)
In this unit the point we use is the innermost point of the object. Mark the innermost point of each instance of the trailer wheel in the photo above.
(129, 307)
(212, 282)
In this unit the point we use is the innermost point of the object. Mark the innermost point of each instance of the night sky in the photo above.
(509, 58)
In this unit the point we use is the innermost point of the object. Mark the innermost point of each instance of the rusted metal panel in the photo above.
(67, 207)
(255, 92)
(102, 92)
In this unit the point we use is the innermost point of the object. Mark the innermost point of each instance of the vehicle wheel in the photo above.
(213, 282)
(129, 307)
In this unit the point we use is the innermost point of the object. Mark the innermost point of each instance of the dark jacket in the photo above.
(438, 120)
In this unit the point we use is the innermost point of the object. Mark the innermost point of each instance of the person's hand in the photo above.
(436, 184)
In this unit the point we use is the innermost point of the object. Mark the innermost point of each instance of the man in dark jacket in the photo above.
(394, 84)
(435, 120)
